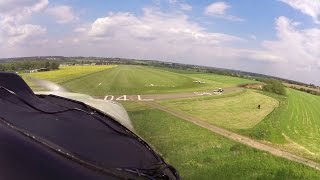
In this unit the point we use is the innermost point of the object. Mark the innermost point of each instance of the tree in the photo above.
(47, 64)
(274, 86)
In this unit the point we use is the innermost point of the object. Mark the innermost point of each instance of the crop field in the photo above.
(200, 154)
(235, 111)
(67, 73)
(97, 81)
(296, 124)
(63, 75)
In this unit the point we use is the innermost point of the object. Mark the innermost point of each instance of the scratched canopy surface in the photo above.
(51, 137)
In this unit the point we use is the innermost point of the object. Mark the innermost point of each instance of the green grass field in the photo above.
(200, 154)
(97, 81)
(295, 124)
(234, 111)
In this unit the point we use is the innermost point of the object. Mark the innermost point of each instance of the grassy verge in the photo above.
(269, 128)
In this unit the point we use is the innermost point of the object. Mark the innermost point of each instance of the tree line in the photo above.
(310, 91)
(28, 65)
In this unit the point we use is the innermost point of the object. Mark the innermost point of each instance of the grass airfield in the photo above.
(119, 80)
(290, 122)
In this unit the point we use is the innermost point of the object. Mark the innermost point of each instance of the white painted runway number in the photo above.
(106, 98)
(125, 98)
(122, 98)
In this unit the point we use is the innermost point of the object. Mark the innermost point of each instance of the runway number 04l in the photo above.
(125, 98)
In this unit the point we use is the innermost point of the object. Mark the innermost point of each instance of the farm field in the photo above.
(67, 73)
(131, 80)
(64, 74)
(200, 154)
(234, 111)
(295, 124)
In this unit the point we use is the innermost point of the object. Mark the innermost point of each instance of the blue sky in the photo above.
(275, 37)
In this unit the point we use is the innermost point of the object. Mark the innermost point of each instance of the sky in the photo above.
(273, 37)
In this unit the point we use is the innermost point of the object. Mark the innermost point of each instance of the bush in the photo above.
(274, 86)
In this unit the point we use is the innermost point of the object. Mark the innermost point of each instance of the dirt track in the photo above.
(236, 137)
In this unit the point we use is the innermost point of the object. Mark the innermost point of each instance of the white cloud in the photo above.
(253, 37)
(13, 26)
(300, 47)
(173, 36)
(42, 4)
(219, 10)
(308, 7)
(13, 34)
(185, 7)
(173, 1)
(297, 48)
(18, 6)
(157, 35)
(80, 29)
(180, 5)
(63, 14)
(155, 26)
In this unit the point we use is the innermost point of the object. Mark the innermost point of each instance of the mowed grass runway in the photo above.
(295, 124)
(198, 153)
(128, 79)
(233, 111)
(301, 122)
